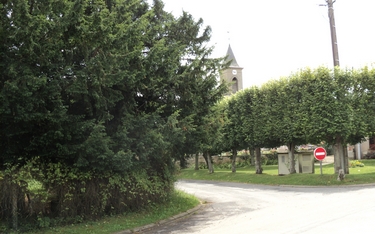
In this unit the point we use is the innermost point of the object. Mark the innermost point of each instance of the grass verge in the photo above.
(357, 175)
(178, 203)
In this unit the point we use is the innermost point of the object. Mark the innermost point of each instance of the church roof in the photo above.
(231, 58)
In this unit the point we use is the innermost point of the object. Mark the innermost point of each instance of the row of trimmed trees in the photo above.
(334, 107)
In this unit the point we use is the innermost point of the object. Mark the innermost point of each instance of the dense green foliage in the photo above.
(317, 106)
(108, 90)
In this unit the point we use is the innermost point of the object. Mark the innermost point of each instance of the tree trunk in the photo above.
(346, 159)
(338, 152)
(210, 167)
(292, 165)
(196, 161)
(14, 194)
(252, 157)
(183, 162)
(258, 161)
(205, 158)
(234, 157)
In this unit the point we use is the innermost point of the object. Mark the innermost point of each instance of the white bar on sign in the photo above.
(320, 153)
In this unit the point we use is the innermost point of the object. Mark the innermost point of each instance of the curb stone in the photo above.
(289, 185)
(330, 186)
(170, 219)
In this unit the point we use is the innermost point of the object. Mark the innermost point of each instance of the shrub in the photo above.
(228, 165)
(202, 165)
(65, 195)
(356, 163)
(242, 164)
(270, 159)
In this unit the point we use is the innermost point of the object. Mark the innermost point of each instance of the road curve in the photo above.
(245, 208)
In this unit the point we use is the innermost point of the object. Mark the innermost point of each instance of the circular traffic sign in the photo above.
(320, 153)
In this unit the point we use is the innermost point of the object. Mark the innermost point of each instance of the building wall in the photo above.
(228, 76)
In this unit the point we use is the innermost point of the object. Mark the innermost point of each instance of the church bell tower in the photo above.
(233, 74)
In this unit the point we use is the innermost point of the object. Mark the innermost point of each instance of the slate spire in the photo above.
(231, 57)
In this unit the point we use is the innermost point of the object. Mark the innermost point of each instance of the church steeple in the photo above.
(233, 74)
(231, 57)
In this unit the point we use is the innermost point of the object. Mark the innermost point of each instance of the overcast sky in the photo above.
(273, 38)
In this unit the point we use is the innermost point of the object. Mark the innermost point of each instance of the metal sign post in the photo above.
(321, 170)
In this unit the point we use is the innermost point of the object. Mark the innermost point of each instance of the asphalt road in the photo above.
(243, 208)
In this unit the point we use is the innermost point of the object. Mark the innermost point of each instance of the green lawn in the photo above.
(358, 175)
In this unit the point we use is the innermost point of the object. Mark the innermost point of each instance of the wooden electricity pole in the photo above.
(339, 147)
(336, 61)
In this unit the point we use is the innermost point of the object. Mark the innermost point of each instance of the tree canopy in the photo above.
(315, 106)
(101, 85)
(107, 87)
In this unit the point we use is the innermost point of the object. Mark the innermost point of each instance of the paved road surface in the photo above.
(242, 208)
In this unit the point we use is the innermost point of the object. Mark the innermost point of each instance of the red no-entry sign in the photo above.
(320, 153)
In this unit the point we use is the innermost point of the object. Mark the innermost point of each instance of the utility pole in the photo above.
(338, 147)
(335, 52)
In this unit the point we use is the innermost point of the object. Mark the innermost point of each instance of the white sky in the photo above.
(273, 38)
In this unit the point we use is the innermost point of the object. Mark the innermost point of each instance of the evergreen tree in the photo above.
(107, 87)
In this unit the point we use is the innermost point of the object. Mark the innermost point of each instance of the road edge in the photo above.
(164, 221)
